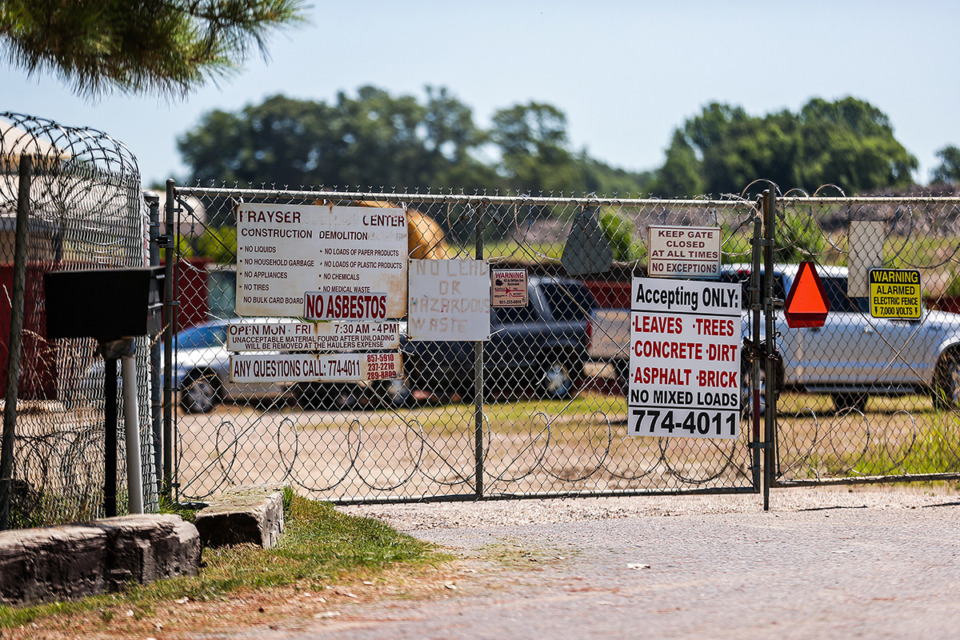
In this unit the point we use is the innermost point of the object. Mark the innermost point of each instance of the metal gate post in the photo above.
(756, 442)
(21, 241)
(770, 409)
(156, 394)
(478, 371)
(169, 309)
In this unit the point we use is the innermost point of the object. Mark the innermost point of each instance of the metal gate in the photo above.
(540, 409)
(873, 395)
(534, 411)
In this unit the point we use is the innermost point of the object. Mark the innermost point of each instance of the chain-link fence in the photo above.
(86, 211)
(546, 412)
(538, 408)
(874, 393)
(546, 416)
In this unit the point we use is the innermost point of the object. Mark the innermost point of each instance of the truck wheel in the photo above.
(200, 393)
(850, 402)
(946, 392)
(560, 377)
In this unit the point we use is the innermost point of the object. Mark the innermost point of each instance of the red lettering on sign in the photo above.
(657, 324)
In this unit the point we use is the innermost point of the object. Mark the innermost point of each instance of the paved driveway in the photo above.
(821, 564)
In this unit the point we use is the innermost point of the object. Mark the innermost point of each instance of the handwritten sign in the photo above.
(449, 300)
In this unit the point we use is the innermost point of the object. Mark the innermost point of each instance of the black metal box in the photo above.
(104, 303)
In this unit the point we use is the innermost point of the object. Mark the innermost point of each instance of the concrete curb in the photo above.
(74, 561)
(243, 515)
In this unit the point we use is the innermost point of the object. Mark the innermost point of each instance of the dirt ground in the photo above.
(878, 562)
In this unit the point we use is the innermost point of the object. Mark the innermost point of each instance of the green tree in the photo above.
(949, 168)
(681, 173)
(602, 179)
(618, 232)
(218, 244)
(534, 150)
(371, 140)
(849, 143)
(163, 46)
(274, 142)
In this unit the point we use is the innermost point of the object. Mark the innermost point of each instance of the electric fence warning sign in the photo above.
(895, 293)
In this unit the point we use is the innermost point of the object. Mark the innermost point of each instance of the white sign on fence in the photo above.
(313, 336)
(683, 252)
(684, 377)
(285, 251)
(312, 367)
(449, 300)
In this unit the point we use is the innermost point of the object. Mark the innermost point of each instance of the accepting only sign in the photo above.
(684, 377)
(285, 251)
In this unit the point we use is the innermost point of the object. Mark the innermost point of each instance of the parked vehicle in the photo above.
(202, 374)
(851, 357)
(540, 348)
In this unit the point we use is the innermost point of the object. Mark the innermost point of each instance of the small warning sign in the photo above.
(509, 288)
(807, 303)
(895, 293)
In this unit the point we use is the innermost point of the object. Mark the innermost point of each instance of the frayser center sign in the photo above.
(286, 251)
(343, 268)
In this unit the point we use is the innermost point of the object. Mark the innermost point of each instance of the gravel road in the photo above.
(822, 563)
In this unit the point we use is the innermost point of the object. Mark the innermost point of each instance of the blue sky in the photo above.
(625, 73)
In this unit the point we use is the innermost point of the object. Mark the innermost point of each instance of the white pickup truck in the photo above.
(851, 357)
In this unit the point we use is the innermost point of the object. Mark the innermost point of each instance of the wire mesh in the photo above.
(874, 393)
(552, 415)
(86, 211)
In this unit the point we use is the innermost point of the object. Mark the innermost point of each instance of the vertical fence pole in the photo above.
(15, 341)
(478, 372)
(156, 394)
(170, 309)
(770, 375)
(755, 306)
(131, 428)
(109, 435)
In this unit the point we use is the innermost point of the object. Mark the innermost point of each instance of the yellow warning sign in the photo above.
(895, 293)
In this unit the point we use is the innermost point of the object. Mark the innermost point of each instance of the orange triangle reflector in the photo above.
(807, 304)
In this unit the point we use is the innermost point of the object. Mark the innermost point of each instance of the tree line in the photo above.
(375, 140)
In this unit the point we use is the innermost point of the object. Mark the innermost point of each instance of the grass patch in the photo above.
(513, 416)
(320, 545)
(517, 416)
(883, 442)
